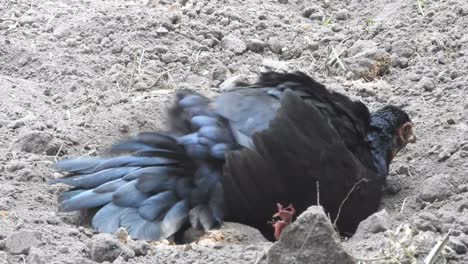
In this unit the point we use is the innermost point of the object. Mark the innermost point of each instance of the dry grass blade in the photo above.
(345, 199)
(437, 249)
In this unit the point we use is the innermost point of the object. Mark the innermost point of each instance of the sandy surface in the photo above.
(77, 75)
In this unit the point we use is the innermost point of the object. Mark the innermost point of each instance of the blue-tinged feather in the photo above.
(155, 206)
(88, 181)
(129, 196)
(160, 170)
(139, 228)
(202, 120)
(87, 199)
(83, 166)
(175, 218)
(107, 219)
(149, 183)
(219, 150)
(192, 100)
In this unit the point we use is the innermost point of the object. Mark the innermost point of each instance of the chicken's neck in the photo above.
(381, 140)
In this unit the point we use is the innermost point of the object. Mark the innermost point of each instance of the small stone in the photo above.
(427, 84)
(376, 223)
(255, 45)
(140, 86)
(61, 32)
(447, 151)
(47, 92)
(35, 256)
(403, 48)
(21, 242)
(457, 245)
(105, 247)
(122, 234)
(275, 45)
(63, 250)
(342, 15)
(219, 74)
(231, 82)
(313, 235)
(435, 188)
(141, 248)
(308, 11)
(169, 57)
(275, 65)
(16, 124)
(233, 43)
(454, 75)
(162, 31)
(117, 49)
(414, 77)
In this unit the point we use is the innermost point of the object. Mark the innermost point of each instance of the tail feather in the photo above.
(83, 166)
(206, 218)
(156, 183)
(156, 206)
(160, 170)
(87, 199)
(129, 195)
(175, 218)
(138, 227)
(69, 194)
(162, 182)
(107, 219)
(93, 180)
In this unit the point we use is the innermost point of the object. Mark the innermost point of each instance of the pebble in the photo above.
(376, 223)
(233, 43)
(457, 245)
(105, 247)
(435, 188)
(342, 15)
(427, 84)
(34, 142)
(255, 45)
(313, 235)
(21, 242)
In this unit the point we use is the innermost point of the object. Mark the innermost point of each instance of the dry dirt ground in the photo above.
(76, 75)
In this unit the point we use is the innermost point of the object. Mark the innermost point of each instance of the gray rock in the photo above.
(403, 48)
(308, 11)
(219, 74)
(34, 142)
(435, 188)
(427, 84)
(448, 150)
(21, 242)
(275, 45)
(342, 15)
(376, 223)
(275, 65)
(457, 245)
(105, 247)
(255, 45)
(231, 82)
(310, 239)
(16, 124)
(141, 248)
(36, 256)
(62, 32)
(233, 43)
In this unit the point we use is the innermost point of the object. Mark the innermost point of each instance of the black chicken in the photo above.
(286, 139)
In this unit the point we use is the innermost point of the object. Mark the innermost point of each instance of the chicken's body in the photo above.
(286, 139)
